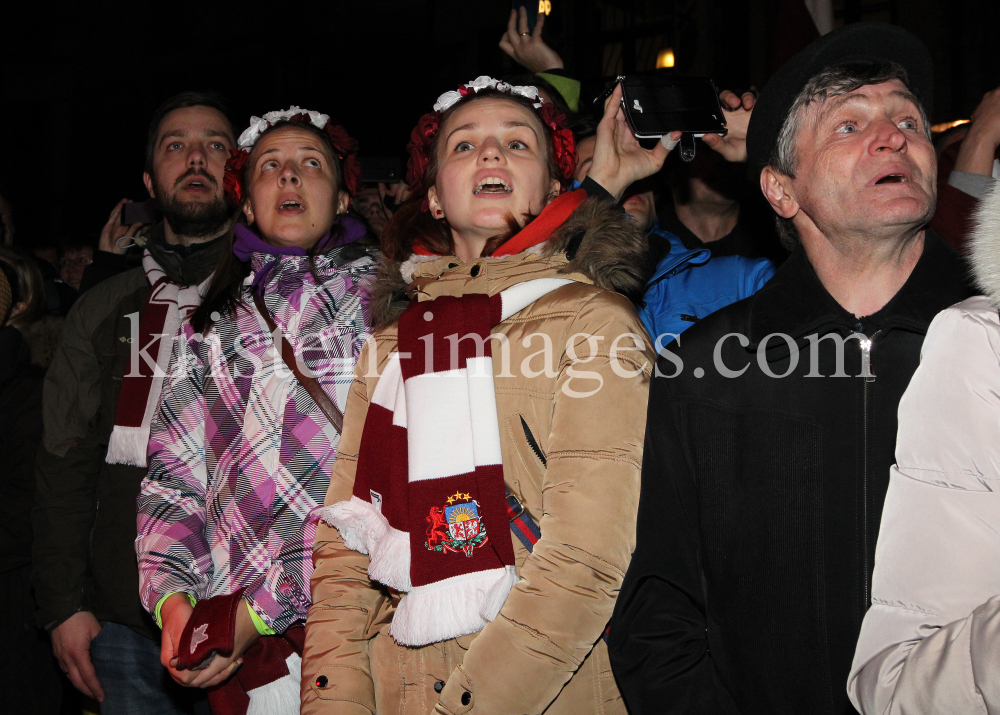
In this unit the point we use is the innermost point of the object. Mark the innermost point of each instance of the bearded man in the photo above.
(772, 425)
(99, 396)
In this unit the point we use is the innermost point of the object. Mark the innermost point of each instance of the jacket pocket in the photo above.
(528, 447)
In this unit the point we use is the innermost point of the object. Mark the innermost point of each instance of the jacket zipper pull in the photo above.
(866, 355)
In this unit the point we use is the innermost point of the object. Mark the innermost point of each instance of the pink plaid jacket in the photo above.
(239, 454)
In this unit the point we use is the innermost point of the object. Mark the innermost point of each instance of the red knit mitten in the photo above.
(210, 630)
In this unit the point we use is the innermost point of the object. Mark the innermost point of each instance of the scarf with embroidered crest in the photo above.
(429, 504)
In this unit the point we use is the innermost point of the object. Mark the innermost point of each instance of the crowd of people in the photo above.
(561, 423)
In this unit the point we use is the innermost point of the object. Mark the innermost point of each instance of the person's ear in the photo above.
(148, 181)
(248, 212)
(777, 190)
(343, 202)
(435, 205)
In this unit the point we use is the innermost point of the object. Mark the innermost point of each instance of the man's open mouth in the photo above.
(492, 185)
(891, 179)
(291, 205)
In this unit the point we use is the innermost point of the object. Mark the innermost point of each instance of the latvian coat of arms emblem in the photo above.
(456, 527)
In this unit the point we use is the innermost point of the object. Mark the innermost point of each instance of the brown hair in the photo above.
(412, 223)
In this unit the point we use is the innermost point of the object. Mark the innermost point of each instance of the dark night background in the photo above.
(80, 80)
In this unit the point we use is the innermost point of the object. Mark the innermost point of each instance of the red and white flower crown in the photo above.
(422, 136)
(484, 82)
(344, 147)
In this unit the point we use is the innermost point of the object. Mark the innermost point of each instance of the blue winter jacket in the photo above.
(689, 284)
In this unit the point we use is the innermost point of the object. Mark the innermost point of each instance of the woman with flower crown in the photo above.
(250, 418)
(481, 512)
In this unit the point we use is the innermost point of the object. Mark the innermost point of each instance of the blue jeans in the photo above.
(134, 681)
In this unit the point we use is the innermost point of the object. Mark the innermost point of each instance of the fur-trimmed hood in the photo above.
(984, 245)
(597, 244)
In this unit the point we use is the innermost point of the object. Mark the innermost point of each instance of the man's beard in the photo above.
(191, 218)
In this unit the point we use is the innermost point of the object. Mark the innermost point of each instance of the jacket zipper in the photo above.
(868, 374)
(532, 443)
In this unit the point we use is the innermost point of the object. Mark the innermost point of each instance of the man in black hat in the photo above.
(772, 423)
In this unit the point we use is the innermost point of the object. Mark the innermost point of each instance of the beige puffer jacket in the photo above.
(581, 487)
(930, 641)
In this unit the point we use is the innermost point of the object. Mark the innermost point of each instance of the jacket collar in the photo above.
(596, 244)
(796, 303)
(678, 256)
(185, 265)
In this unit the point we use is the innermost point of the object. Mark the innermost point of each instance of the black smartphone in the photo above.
(657, 104)
(531, 10)
(140, 212)
(381, 169)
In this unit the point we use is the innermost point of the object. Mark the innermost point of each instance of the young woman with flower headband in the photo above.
(481, 513)
(245, 440)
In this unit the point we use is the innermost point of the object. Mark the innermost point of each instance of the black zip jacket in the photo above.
(761, 496)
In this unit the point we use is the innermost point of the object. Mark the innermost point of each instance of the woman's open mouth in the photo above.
(291, 207)
(492, 185)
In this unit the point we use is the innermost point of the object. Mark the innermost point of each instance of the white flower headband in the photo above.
(259, 124)
(479, 83)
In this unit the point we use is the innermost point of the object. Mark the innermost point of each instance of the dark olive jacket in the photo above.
(761, 497)
(84, 517)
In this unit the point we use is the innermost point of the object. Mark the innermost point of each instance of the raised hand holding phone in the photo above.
(114, 230)
(733, 146)
(619, 160)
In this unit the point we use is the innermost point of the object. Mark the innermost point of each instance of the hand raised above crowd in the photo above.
(528, 49)
(399, 192)
(114, 230)
(980, 144)
(733, 146)
(619, 159)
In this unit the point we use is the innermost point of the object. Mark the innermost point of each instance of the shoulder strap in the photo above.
(521, 523)
(311, 384)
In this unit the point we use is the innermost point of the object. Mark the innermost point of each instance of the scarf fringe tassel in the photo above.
(281, 696)
(453, 607)
(364, 529)
(128, 446)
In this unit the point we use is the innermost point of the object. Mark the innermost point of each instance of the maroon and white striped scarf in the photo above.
(429, 504)
(139, 399)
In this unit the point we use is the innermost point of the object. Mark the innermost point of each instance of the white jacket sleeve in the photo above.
(930, 641)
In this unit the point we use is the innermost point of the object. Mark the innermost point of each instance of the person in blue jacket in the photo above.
(689, 283)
